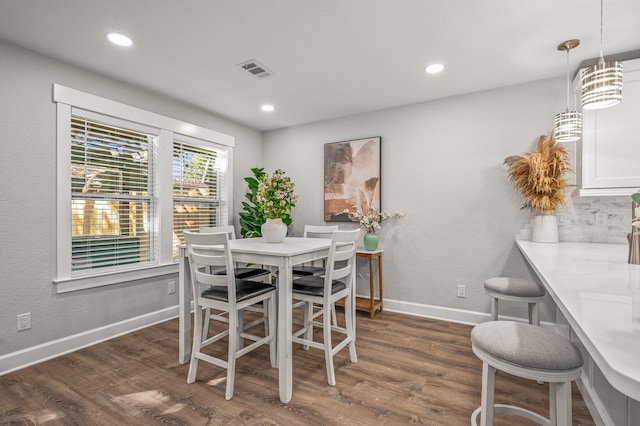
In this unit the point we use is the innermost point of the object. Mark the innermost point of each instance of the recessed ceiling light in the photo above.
(119, 39)
(267, 108)
(434, 68)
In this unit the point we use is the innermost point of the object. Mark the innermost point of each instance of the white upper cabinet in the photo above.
(611, 141)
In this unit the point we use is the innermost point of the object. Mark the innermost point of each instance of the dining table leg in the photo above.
(184, 309)
(285, 364)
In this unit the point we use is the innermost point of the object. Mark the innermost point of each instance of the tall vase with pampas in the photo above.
(540, 177)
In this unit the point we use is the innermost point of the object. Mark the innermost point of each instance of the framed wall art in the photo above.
(351, 177)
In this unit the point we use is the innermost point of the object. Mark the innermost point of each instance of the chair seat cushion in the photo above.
(314, 286)
(246, 273)
(517, 287)
(306, 270)
(244, 290)
(525, 345)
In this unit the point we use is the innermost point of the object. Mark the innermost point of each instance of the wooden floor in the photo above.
(410, 370)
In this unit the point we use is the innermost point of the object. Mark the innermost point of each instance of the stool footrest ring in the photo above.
(511, 409)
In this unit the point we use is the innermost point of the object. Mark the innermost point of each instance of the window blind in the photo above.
(112, 200)
(197, 189)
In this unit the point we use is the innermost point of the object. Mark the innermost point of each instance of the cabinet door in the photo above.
(611, 138)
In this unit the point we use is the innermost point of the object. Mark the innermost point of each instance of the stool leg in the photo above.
(487, 405)
(494, 309)
(560, 408)
(533, 314)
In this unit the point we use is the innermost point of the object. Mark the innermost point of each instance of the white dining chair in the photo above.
(229, 295)
(313, 231)
(336, 284)
(246, 272)
(243, 273)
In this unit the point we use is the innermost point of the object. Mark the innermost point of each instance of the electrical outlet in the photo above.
(601, 219)
(24, 321)
(461, 291)
(172, 287)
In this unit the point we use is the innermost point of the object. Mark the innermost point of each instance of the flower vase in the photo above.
(274, 231)
(370, 241)
(545, 229)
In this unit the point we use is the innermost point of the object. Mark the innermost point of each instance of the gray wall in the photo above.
(28, 200)
(442, 166)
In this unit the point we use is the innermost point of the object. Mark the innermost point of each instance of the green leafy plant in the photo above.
(251, 218)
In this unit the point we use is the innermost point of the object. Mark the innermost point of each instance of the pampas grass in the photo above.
(540, 175)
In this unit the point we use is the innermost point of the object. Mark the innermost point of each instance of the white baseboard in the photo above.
(45, 351)
(436, 312)
(446, 314)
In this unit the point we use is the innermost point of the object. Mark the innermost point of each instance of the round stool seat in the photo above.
(525, 346)
(516, 287)
(515, 290)
(531, 352)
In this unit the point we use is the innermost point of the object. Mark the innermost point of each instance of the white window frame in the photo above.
(69, 100)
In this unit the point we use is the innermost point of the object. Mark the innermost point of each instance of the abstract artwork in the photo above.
(351, 177)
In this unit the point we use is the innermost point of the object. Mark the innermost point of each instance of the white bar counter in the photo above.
(598, 294)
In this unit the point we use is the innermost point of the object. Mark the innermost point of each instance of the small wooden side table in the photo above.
(371, 304)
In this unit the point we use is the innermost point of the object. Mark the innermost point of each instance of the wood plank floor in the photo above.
(410, 370)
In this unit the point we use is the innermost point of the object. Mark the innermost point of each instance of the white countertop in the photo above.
(598, 292)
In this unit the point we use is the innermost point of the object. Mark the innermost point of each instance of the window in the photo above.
(198, 189)
(129, 183)
(112, 193)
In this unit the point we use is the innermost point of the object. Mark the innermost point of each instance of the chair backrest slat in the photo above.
(343, 248)
(208, 254)
(319, 231)
(228, 229)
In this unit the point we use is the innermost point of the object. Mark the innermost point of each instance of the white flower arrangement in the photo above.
(372, 219)
(275, 197)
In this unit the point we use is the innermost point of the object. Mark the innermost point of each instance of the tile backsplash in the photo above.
(592, 219)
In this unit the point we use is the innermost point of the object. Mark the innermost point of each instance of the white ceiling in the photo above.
(331, 58)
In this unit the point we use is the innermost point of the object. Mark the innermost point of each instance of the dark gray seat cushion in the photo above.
(246, 273)
(306, 270)
(525, 345)
(314, 286)
(517, 287)
(244, 290)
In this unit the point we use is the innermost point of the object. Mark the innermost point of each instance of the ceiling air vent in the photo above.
(256, 69)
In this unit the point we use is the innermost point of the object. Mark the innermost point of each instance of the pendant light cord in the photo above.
(601, 28)
(568, 83)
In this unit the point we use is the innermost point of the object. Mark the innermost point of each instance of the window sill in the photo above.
(83, 283)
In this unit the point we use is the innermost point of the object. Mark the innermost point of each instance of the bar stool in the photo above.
(515, 290)
(531, 352)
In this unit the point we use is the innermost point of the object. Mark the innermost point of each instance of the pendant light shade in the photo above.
(601, 83)
(568, 124)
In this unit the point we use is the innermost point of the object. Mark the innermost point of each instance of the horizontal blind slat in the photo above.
(112, 196)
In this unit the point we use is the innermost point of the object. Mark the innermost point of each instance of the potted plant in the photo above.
(371, 223)
(251, 218)
(540, 177)
(275, 199)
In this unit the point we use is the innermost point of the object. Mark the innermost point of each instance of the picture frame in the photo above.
(351, 177)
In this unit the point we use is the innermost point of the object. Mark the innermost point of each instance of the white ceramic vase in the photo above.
(545, 229)
(274, 231)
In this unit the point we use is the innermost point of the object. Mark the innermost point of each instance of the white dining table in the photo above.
(284, 256)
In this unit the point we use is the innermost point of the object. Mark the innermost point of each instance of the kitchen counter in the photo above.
(598, 293)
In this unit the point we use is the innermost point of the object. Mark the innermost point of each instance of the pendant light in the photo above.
(601, 83)
(568, 124)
